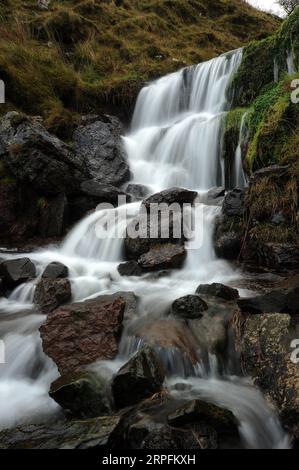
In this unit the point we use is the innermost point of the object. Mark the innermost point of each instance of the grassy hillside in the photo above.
(84, 55)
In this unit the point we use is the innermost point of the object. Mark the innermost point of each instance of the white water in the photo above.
(239, 175)
(175, 140)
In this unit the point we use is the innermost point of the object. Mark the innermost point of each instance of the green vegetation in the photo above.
(87, 55)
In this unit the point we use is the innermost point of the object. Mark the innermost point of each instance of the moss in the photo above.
(79, 56)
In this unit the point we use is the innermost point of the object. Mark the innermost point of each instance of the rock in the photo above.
(16, 271)
(189, 307)
(266, 357)
(98, 141)
(278, 256)
(150, 435)
(140, 378)
(52, 293)
(8, 206)
(171, 196)
(233, 204)
(228, 245)
(216, 193)
(167, 256)
(210, 333)
(55, 270)
(103, 192)
(82, 395)
(52, 216)
(145, 232)
(170, 334)
(37, 158)
(218, 290)
(79, 206)
(88, 434)
(131, 299)
(276, 301)
(198, 411)
(2, 290)
(130, 268)
(43, 4)
(80, 333)
(137, 191)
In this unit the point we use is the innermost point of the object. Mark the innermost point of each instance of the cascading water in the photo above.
(174, 141)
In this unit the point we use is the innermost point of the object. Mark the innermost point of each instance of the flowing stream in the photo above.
(175, 140)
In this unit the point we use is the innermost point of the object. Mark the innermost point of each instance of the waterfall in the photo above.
(174, 141)
(239, 175)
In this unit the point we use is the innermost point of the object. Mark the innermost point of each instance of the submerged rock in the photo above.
(55, 270)
(98, 141)
(130, 268)
(166, 256)
(198, 411)
(87, 434)
(211, 333)
(52, 293)
(138, 379)
(16, 271)
(218, 290)
(82, 395)
(80, 333)
(189, 307)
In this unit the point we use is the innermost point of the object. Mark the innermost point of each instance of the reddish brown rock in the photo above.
(81, 333)
(166, 256)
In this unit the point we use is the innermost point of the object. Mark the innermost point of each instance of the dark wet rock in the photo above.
(217, 192)
(279, 256)
(171, 196)
(80, 333)
(79, 207)
(145, 232)
(37, 158)
(228, 245)
(137, 191)
(266, 353)
(167, 256)
(140, 378)
(52, 293)
(16, 271)
(8, 206)
(198, 411)
(131, 308)
(87, 434)
(189, 307)
(98, 141)
(233, 204)
(218, 290)
(103, 192)
(55, 270)
(149, 435)
(276, 301)
(52, 216)
(81, 395)
(130, 268)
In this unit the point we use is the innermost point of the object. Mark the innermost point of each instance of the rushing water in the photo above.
(174, 141)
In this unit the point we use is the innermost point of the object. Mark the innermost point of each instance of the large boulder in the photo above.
(266, 352)
(16, 271)
(80, 333)
(52, 293)
(276, 301)
(140, 378)
(167, 256)
(218, 290)
(189, 307)
(38, 158)
(98, 141)
(93, 433)
(55, 270)
(81, 395)
(103, 192)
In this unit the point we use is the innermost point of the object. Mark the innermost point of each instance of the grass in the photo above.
(82, 56)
